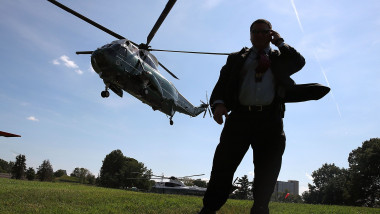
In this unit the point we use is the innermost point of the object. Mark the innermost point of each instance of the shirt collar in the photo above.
(266, 50)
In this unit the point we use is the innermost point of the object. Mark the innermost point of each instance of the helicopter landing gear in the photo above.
(105, 93)
(171, 117)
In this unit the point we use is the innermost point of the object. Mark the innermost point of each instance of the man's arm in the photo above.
(294, 60)
(218, 93)
(217, 98)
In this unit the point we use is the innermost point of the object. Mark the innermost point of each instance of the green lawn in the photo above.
(46, 197)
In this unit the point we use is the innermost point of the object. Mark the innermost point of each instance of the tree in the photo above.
(188, 181)
(364, 170)
(90, 178)
(60, 173)
(111, 172)
(84, 175)
(19, 168)
(45, 171)
(4, 166)
(244, 190)
(200, 183)
(30, 174)
(288, 197)
(123, 172)
(330, 186)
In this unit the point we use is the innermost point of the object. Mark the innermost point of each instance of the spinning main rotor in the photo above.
(144, 46)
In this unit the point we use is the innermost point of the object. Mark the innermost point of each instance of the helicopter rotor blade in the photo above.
(86, 19)
(84, 52)
(167, 70)
(192, 176)
(161, 19)
(192, 52)
(208, 107)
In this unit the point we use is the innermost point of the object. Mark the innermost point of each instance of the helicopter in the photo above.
(175, 185)
(126, 66)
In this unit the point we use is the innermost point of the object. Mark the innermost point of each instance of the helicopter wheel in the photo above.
(105, 94)
(171, 122)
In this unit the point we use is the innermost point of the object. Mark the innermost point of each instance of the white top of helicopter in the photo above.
(177, 184)
(150, 60)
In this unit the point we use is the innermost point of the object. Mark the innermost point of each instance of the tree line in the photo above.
(117, 171)
(359, 185)
(18, 170)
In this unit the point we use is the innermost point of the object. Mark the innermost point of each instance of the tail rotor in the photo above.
(206, 106)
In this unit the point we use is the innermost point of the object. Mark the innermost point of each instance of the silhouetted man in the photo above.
(254, 85)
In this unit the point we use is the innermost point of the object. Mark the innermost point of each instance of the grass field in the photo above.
(46, 197)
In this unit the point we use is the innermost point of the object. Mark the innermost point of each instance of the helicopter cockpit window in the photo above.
(150, 62)
(134, 50)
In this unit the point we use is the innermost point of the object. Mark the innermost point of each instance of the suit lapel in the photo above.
(240, 62)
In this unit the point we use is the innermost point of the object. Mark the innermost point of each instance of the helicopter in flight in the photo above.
(126, 66)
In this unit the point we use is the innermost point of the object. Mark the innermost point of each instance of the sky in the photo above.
(51, 96)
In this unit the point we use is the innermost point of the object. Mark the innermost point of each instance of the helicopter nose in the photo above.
(99, 59)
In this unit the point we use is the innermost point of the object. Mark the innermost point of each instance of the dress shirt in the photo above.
(252, 92)
(261, 93)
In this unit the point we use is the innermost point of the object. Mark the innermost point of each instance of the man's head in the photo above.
(261, 33)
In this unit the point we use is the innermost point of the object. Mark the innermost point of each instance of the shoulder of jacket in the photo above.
(242, 51)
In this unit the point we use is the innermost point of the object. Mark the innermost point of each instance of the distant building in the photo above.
(290, 186)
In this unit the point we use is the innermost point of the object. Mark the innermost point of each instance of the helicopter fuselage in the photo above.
(123, 66)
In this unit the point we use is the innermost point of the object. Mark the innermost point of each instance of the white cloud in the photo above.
(15, 154)
(79, 72)
(309, 176)
(32, 118)
(56, 62)
(303, 189)
(68, 63)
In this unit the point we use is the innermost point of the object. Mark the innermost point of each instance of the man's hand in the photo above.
(220, 110)
(275, 37)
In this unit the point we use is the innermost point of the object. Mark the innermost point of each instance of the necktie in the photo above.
(263, 65)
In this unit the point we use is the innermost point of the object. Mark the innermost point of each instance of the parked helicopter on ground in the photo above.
(175, 185)
(125, 65)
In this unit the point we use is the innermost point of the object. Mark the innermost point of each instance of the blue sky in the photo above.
(51, 96)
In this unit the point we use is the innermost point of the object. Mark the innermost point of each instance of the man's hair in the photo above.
(264, 21)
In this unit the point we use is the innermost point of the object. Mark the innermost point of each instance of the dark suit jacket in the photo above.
(284, 63)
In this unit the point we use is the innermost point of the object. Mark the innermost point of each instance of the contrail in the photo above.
(298, 18)
(328, 84)
(317, 58)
